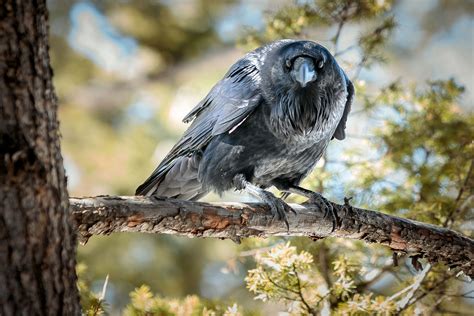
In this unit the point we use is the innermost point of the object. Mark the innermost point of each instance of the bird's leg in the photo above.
(318, 199)
(277, 206)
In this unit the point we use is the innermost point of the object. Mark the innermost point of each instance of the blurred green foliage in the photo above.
(92, 304)
(144, 303)
(427, 151)
(412, 157)
(283, 274)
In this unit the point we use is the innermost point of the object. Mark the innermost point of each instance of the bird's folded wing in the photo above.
(226, 106)
(340, 132)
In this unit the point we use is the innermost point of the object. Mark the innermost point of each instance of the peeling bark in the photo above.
(37, 241)
(103, 215)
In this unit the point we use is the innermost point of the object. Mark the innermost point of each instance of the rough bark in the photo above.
(37, 240)
(108, 214)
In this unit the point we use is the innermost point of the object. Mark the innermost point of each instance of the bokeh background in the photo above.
(126, 73)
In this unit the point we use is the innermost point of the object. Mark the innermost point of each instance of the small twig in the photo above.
(338, 34)
(342, 16)
(100, 299)
(422, 295)
(345, 50)
(405, 301)
(281, 287)
(366, 284)
(104, 288)
(395, 258)
(359, 67)
(300, 293)
(450, 216)
(324, 264)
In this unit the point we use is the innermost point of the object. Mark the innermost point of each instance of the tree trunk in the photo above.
(37, 239)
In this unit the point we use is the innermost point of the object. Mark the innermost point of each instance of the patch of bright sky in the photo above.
(73, 173)
(246, 14)
(93, 36)
(448, 53)
(408, 33)
(456, 63)
(186, 95)
(185, 12)
(140, 253)
(142, 107)
(216, 284)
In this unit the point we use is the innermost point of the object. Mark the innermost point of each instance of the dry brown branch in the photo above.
(107, 214)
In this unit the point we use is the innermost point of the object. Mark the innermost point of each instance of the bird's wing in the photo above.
(226, 106)
(340, 133)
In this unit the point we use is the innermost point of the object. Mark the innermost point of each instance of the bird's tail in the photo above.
(177, 179)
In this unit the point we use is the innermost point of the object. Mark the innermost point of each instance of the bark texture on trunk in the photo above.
(37, 239)
(107, 214)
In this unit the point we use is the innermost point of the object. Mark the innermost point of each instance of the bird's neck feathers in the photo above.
(300, 112)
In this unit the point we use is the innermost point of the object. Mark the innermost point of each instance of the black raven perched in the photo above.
(266, 123)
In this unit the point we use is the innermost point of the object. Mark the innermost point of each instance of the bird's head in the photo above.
(302, 82)
(298, 65)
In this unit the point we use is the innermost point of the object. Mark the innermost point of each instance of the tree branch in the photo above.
(103, 215)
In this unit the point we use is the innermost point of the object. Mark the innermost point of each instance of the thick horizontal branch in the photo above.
(107, 214)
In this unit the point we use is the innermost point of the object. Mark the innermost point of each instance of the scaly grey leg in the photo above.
(318, 199)
(277, 206)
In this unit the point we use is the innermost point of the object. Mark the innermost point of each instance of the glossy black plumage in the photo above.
(267, 122)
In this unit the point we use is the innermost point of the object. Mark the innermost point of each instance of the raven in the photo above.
(266, 123)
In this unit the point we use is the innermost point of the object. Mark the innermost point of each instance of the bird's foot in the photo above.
(347, 201)
(325, 206)
(278, 207)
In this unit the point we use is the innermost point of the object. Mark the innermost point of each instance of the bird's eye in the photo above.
(288, 63)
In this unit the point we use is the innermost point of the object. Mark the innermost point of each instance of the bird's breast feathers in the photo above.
(306, 127)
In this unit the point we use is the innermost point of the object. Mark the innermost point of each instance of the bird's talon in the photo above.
(278, 208)
(287, 224)
(325, 206)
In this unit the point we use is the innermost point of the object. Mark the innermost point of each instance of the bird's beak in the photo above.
(304, 72)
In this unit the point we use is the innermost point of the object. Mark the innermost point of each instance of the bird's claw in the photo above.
(325, 206)
(278, 207)
(347, 201)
